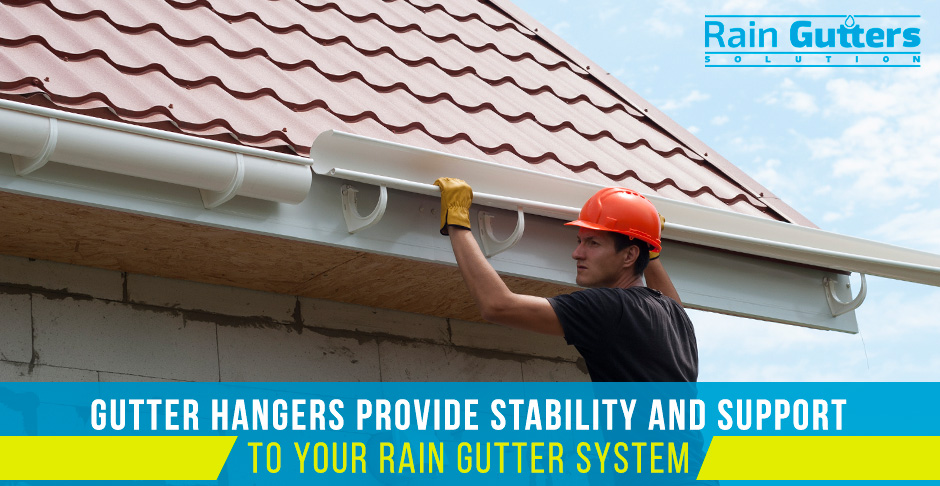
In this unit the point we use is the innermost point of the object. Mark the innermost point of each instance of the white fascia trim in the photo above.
(35, 135)
(413, 169)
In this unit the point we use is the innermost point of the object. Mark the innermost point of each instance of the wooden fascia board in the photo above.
(400, 263)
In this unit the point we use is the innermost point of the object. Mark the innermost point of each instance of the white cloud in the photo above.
(740, 144)
(560, 27)
(768, 175)
(720, 120)
(608, 13)
(693, 129)
(822, 190)
(791, 97)
(891, 152)
(674, 7)
(896, 342)
(800, 102)
(663, 20)
(662, 28)
(693, 97)
(815, 73)
(918, 229)
(749, 7)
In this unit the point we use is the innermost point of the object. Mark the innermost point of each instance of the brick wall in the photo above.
(63, 322)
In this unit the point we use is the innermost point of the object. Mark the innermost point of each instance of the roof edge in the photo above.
(629, 96)
(411, 169)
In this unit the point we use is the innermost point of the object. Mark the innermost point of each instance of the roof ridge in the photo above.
(673, 129)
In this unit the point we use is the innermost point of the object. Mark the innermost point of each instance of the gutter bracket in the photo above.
(492, 246)
(25, 166)
(213, 199)
(837, 306)
(355, 222)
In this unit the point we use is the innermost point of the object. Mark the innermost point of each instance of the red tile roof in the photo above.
(458, 76)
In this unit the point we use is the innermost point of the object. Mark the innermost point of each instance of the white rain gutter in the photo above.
(412, 169)
(36, 135)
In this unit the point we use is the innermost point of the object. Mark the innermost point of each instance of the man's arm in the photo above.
(658, 279)
(496, 302)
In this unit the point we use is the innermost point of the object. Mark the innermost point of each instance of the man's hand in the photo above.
(662, 225)
(456, 197)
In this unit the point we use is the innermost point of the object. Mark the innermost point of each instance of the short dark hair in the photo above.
(622, 241)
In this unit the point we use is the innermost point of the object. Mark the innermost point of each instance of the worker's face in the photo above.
(599, 263)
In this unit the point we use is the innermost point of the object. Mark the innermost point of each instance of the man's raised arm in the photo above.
(496, 302)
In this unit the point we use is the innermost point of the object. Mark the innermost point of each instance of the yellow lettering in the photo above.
(460, 457)
(502, 456)
(602, 455)
(383, 456)
(519, 446)
(534, 457)
(553, 457)
(653, 457)
(682, 460)
(639, 456)
(320, 450)
(620, 456)
(358, 456)
(437, 457)
(587, 462)
(479, 468)
(277, 468)
(254, 455)
(301, 455)
(410, 463)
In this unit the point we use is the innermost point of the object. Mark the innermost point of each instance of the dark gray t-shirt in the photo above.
(634, 334)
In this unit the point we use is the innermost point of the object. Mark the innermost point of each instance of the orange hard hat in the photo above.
(621, 210)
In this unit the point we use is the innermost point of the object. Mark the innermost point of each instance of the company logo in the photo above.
(812, 41)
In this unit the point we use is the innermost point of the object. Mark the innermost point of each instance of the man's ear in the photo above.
(630, 255)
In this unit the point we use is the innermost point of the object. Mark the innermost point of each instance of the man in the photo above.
(625, 330)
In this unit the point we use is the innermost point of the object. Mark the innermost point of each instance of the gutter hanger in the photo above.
(377, 162)
(36, 135)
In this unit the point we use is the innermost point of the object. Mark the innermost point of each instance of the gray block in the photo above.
(510, 340)
(282, 354)
(104, 376)
(21, 372)
(120, 338)
(350, 317)
(16, 330)
(218, 299)
(545, 370)
(429, 362)
(62, 277)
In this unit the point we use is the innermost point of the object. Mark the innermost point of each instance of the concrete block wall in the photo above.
(62, 322)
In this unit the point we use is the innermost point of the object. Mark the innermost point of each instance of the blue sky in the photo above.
(856, 150)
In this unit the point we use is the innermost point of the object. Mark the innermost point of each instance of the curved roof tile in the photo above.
(452, 75)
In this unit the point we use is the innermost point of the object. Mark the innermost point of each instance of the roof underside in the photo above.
(457, 76)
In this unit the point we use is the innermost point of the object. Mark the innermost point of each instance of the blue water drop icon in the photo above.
(849, 21)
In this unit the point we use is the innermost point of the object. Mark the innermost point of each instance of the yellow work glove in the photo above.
(456, 196)
(662, 225)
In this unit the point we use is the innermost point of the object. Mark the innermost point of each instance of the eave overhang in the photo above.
(720, 261)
